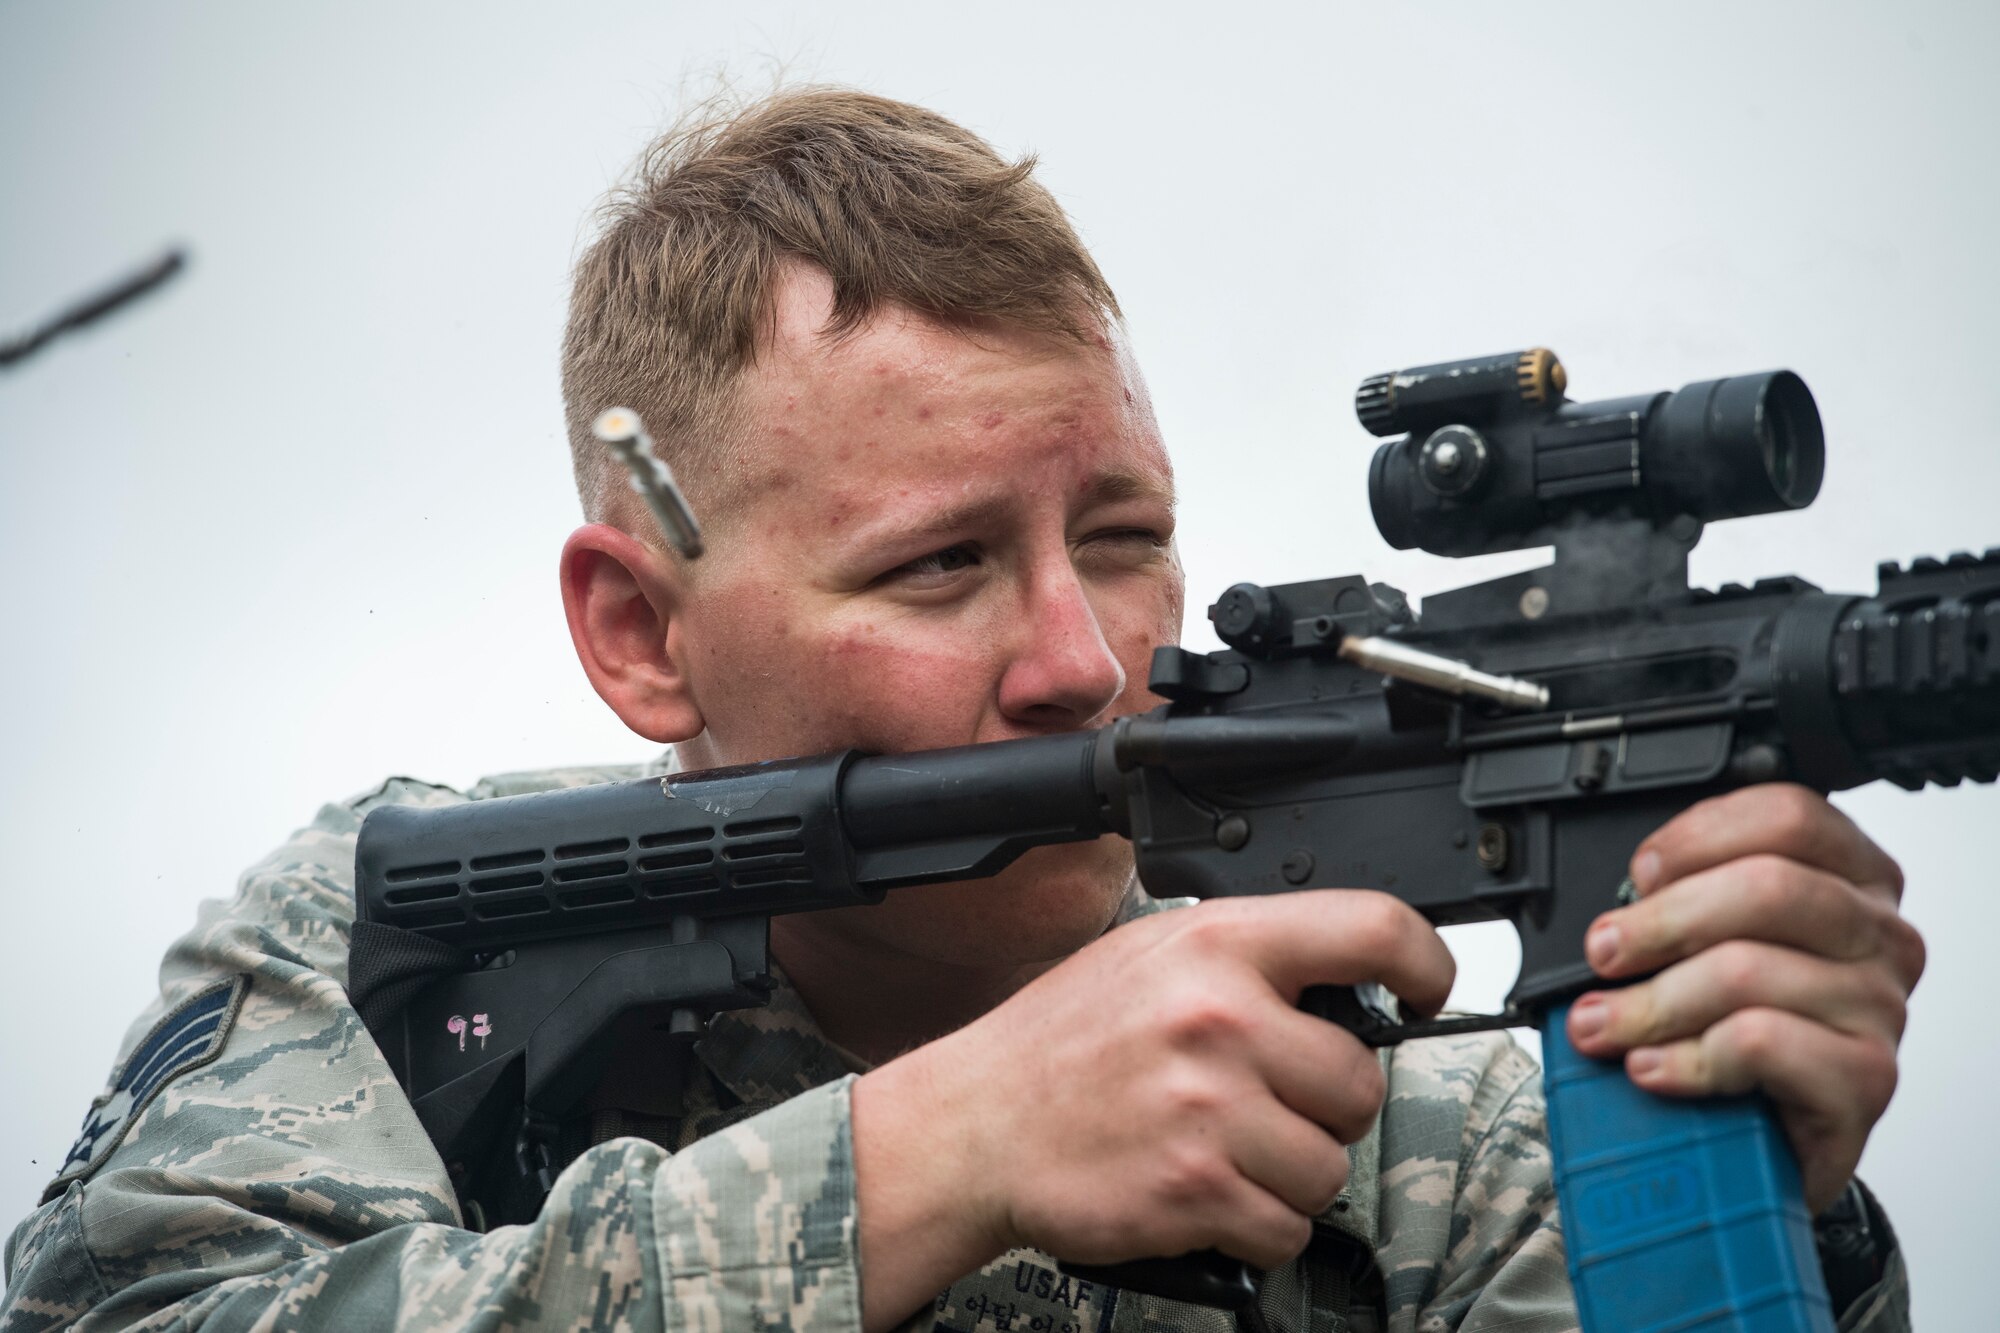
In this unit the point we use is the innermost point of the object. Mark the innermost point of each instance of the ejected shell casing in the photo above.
(621, 431)
(1443, 673)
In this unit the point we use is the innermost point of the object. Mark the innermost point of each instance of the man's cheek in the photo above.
(909, 690)
(1135, 637)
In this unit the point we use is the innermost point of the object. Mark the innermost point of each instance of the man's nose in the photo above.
(1061, 673)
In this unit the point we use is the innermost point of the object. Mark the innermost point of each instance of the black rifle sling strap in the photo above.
(1315, 1292)
(637, 1098)
(387, 967)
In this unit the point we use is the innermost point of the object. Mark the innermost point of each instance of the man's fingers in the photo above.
(1690, 996)
(1322, 1072)
(1212, 1205)
(1200, 1199)
(1830, 1088)
(1340, 937)
(1270, 1233)
(1291, 1157)
(1779, 818)
(1759, 897)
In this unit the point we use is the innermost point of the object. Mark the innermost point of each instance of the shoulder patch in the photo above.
(188, 1037)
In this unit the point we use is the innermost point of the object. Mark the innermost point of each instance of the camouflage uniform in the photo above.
(253, 1164)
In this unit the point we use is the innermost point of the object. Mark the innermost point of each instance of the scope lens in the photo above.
(1780, 456)
(1788, 429)
(1729, 448)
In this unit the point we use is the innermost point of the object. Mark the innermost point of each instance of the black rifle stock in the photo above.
(509, 947)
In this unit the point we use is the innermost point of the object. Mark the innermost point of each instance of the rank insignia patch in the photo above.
(189, 1036)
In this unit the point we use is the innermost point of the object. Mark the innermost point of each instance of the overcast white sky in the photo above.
(292, 525)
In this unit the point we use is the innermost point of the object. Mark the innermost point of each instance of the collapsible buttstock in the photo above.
(1681, 1215)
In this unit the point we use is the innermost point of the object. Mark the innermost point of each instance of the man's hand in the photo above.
(1156, 1093)
(1786, 967)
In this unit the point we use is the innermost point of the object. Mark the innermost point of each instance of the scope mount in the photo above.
(1606, 566)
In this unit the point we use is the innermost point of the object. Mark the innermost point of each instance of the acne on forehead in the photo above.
(859, 397)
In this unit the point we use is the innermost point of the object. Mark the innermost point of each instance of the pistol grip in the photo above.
(1682, 1215)
(1205, 1277)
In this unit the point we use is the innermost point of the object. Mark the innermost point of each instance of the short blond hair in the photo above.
(895, 203)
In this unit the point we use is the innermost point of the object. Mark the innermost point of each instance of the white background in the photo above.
(292, 525)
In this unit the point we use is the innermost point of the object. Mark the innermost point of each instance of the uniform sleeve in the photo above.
(1884, 1307)
(1471, 1235)
(285, 1181)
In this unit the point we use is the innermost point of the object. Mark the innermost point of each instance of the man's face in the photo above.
(937, 538)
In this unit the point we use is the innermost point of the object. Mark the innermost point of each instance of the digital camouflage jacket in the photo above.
(252, 1164)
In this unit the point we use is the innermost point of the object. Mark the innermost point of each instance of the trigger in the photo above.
(1370, 1013)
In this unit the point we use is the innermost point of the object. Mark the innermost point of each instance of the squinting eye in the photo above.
(948, 561)
(1129, 536)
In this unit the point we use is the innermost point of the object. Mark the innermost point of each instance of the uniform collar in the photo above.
(766, 1054)
(771, 1052)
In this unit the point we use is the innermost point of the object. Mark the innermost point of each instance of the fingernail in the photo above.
(1602, 946)
(1644, 1062)
(1587, 1017)
(1646, 870)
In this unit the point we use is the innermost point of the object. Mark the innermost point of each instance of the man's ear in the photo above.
(622, 601)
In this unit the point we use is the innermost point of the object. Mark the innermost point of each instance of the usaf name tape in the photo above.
(188, 1037)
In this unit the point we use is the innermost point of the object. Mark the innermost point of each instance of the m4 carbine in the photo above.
(1500, 757)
